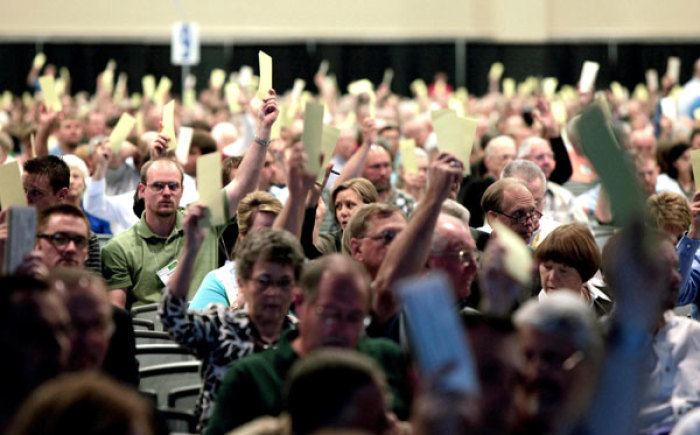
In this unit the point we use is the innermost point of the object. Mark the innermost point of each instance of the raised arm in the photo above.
(409, 252)
(47, 120)
(354, 166)
(247, 177)
(179, 283)
(299, 183)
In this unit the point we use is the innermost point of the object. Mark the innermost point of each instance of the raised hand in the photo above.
(445, 171)
(269, 111)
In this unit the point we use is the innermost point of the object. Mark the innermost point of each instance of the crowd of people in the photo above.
(292, 304)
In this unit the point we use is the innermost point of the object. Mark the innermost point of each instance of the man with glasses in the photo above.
(331, 303)
(138, 263)
(510, 202)
(62, 236)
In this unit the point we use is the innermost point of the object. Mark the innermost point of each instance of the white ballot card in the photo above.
(21, 235)
(437, 335)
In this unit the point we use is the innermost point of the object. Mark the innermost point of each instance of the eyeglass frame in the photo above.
(533, 214)
(61, 240)
(159, 186)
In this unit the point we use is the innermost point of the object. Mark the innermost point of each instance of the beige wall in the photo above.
(286, 20)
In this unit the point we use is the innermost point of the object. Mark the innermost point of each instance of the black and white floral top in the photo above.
(217, 336)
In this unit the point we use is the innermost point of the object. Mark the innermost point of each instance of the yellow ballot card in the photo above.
(233, 92)
(107, 80)
(26, 99)
(162, 90)
(388, 76)
(673, 68)
(508, 87)
(329, 137)
(517, 259)
(549, 86)
(209, 185)
(695, 159)
(419, 88)
(189, 98)
(602, 149)
(589, 72)
(48, 89)
(640, 92)
(121, 131)
(12, 192)
(496, 71)
(455, 134)
(298, 88)
(358, 87)
(148, 86)
(265, 62)
(312, 135)
(652, 78)
(408, 155)
(217, 78)
(617, 90)
(696, 114)
(168, 121)
(6, 99)
(39, 60)
(184, 139)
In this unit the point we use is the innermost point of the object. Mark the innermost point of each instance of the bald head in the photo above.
(498, 153)
(644, 143)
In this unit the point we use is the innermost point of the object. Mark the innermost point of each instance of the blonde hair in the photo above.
(669, 209)
(362, 186)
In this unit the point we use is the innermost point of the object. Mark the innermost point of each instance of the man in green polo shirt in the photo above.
(138, 262)
(331, 307)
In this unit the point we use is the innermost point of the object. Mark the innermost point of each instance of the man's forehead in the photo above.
(396, 219)
(163, 169)
(517, 196)
(341, 288)
(64, 222)
(35, 180)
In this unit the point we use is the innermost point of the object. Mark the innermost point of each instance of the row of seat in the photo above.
(170, 374)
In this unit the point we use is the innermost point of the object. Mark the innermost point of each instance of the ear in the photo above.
(142, 189)
(356, 248)
(62, 194)
(490, 215)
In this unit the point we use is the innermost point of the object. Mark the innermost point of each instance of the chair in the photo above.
(161, 379)
(162, 353)
(179, 421)
(184, 398)
(148, 312)
(143, 324)
(152, 337)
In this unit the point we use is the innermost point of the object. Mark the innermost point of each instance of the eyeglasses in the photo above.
(522, 216)
(332, 315)
(465, 256)
(61, 240)
(159, 186)
(263, 282)
(386, 237)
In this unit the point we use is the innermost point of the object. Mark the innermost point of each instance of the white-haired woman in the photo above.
(78, 181)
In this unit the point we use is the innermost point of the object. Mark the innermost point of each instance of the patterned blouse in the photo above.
(217, 336)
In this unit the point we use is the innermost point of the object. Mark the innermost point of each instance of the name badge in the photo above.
(165, 273)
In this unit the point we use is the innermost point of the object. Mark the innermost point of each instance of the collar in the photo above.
(145, 232)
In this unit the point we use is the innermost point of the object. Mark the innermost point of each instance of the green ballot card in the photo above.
(209, 185)
(312, 135)
(599, 144)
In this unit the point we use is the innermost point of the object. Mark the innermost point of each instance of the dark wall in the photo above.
(624, 62)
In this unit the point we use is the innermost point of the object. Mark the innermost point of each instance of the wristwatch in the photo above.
(261, 141)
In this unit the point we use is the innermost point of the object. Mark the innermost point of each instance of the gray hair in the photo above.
(525, 170)
(453, 208)
(498, 140)
(563, 313)
(525, 147)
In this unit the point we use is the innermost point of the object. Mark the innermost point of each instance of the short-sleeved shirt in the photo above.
(132, 259)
